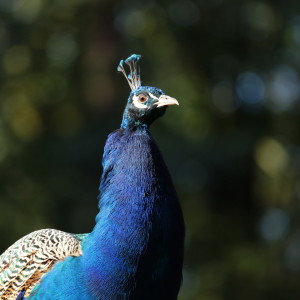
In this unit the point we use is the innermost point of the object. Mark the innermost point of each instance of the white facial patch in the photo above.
(136, 102)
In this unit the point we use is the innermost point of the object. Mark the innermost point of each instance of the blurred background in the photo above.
(232, 145)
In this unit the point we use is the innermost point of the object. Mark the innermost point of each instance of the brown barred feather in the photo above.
(24, 263)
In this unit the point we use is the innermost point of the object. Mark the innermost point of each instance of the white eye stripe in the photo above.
(136, 102)
(152, 96)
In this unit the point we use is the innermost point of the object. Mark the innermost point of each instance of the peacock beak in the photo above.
(165, 100)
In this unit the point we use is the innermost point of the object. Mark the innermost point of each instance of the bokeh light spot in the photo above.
(132, 22)
(271, 156)
(259, 16)
(27, 10)
(23, 117)
(274, 224)
(250, 89)
(7, 5)
(62, 49)
(283, 89)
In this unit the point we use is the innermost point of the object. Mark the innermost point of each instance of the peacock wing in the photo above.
(24, 263)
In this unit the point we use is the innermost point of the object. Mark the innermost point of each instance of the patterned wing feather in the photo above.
(24, 263)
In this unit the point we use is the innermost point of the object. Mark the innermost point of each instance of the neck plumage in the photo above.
(129, 123)
(133, 174)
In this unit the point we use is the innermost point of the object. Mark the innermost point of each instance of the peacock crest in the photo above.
(134, 77)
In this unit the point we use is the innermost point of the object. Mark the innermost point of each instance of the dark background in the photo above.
(232, 145)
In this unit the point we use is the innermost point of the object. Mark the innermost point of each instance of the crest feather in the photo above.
(134, 77)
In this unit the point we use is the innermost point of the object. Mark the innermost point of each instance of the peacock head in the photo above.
(145, 103)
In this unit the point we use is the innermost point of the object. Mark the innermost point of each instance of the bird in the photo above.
(136, 248)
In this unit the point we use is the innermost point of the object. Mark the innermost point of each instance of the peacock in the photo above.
(135, 250)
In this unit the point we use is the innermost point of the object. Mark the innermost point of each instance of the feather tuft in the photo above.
(134, 77)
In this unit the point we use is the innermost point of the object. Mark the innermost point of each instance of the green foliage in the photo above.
(232, 145)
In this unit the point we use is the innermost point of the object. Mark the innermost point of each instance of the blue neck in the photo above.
(135, 250)
(129, 204)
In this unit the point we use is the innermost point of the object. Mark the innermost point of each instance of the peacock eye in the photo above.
(142, 98)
